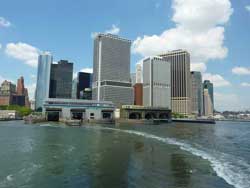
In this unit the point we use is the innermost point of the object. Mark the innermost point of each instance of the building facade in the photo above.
(208, 98)
(208, 105)
(84, 85)
(61, 76)
(43, 78)
(196, 93)
(138, 94)
(180, 80)
(156, 83)
(111, 77)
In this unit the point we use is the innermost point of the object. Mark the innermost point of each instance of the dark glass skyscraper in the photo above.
(210, 87)
(61, 80)
(84, 84)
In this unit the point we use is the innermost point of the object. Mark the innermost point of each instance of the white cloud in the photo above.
(216, 79)
(247, 8)
(87, 70)
(113, 30)
(23, 52)
(241, 71)
(4, 22)
(197, 30)
(201, 67)
(222, 101)
(0, 46)
(31, 89)
(245, 84)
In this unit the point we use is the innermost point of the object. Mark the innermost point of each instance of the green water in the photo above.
(174, 156)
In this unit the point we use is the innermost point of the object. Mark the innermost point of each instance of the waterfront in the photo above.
(173, 155)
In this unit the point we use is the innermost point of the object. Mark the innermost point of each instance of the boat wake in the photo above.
(235, 172)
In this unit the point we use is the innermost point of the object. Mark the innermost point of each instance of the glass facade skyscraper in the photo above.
(61, 76)
(209, 88)
(84, 85)
(43, 78)
(197, 93)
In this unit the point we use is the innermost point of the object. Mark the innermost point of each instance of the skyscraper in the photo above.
(208, 94)
(133, 78)
(84, 84)
(111, 78)
(138, 94)
(61, 80)
(208, 105)
(180, 80)
(197, 93)
(43, 78)
(139, 73)
(20, 86)
(156, 82)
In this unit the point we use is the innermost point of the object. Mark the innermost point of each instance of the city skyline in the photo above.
(228, 68)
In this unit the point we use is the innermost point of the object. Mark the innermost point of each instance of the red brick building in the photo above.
(138, 94)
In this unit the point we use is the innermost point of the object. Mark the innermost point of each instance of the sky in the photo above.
(215, 32)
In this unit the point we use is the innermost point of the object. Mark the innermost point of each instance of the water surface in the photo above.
(173, 155)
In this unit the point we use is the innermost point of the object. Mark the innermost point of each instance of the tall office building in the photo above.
(208, 105)
(180, 80)
(43, 78)
(61, 75)
(208, 95)
(84, 85)
(197, 93)
(138, 73)
(111, 78)
(74, 89)
(156, 82)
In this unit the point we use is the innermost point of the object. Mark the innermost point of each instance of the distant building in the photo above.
(61, 80)
(111, 78)
(208, 105)
(156, 82)
(197, 93)
(84, 85)
(74, 89)
(7, 88)
(138, 94)
(208, 98)
(180, 80)
(138, 73)
(208, 85)
(20, 86)
(43, 78)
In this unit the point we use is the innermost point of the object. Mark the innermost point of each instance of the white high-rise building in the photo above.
(111, 78)
(156, 82)
(139, 73)
(43, 79)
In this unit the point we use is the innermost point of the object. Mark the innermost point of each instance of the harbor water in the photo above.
(176, 155)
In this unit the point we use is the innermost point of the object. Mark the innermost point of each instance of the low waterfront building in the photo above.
(133, 112)
(8, 114)
(73, 109)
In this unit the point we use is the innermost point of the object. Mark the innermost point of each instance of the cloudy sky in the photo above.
(215, 32)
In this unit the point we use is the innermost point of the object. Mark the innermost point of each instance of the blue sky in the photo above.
(215, 32)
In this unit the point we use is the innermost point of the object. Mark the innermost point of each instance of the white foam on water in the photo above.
(234, 171)
(9, 177)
